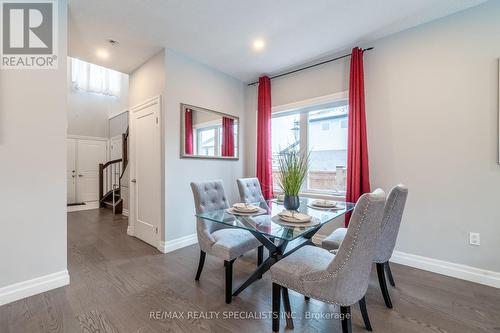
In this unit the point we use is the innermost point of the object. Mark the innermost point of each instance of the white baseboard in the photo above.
(34, 286)
(88, 206)
(125, 212)
(175, 244)
(464, 272)
(130, 230)
(459, 271)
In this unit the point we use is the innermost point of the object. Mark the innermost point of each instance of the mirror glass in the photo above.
(208, 134)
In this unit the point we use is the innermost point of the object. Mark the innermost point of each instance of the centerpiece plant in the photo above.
(292, 166)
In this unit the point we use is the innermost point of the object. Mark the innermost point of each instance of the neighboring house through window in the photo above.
(321, 129)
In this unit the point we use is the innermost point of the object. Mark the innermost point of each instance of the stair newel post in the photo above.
(101, 181)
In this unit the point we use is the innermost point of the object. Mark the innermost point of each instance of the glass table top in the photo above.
(269, 223)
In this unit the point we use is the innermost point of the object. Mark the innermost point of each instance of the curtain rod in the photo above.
(310, 66)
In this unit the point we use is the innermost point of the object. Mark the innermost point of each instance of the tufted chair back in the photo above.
(250, 191)
(208, 196)
(345, 281)
(393, 213)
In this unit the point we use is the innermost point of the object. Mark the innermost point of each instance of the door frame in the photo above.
(91, 138)
(132, 189)
(74, 172)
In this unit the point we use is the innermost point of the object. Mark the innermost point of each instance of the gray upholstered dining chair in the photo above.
(391, 221)
(249, 189)
(250, 192)
(216, 239)
(340, 278)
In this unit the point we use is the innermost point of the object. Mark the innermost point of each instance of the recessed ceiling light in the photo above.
(259, 44)
(103, 54)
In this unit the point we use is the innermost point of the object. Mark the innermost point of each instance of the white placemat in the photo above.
(232, 211)
(313, 222)
(324, 208)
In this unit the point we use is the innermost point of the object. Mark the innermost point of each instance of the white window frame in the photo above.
(205, 127)
(304, 136)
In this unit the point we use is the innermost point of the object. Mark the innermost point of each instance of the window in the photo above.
(207, 140)
(94, 79)
(320, 129)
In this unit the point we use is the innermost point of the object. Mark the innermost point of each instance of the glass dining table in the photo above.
(280, 238)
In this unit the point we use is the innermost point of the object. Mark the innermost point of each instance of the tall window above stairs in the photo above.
(94, 79)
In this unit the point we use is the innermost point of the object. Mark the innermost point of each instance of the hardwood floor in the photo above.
(117, 282)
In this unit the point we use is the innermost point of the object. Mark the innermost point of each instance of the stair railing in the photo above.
(124, 151)
(110, 174)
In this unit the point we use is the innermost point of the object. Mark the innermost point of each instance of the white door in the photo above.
(145, 172)
(89, 154)
(71, 170)
(116, 148)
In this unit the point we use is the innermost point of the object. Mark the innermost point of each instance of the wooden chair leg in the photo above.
(276, 307)
(383, 285)
(364, 313)
(389, 273)
(229, 280)
(288, 309)
(200, 265)
(345, 319)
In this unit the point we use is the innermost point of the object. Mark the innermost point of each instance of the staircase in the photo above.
(110, 179)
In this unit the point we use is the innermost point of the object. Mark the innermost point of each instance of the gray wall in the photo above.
(432, 113)
(33, 169)
(190, 82)
(432, 109)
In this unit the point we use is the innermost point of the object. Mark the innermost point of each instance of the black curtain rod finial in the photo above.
(310, 66)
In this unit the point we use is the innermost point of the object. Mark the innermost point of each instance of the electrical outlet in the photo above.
(474, 238)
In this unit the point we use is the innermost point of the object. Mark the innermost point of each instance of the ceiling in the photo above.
(220, 33)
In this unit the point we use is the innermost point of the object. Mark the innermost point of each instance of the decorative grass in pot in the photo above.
(292, 172)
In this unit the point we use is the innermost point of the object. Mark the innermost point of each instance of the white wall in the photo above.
(88, 113)
(148, 80)
(432, 103)
(118, 124)
(190, 82)
(33, 171)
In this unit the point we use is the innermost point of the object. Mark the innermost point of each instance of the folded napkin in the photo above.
(243, 207)
(294, 216)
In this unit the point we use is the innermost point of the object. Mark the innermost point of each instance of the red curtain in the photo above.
(188, 126)
(358, 179)
(264, 171)
(227, 136)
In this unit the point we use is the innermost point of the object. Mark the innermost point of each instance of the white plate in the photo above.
(326, 208)
(324, 203)
(259, 211)
(243, 208)
(295, 217)
(311, 223)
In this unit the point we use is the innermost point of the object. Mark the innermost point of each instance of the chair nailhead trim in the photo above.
(330, 275)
